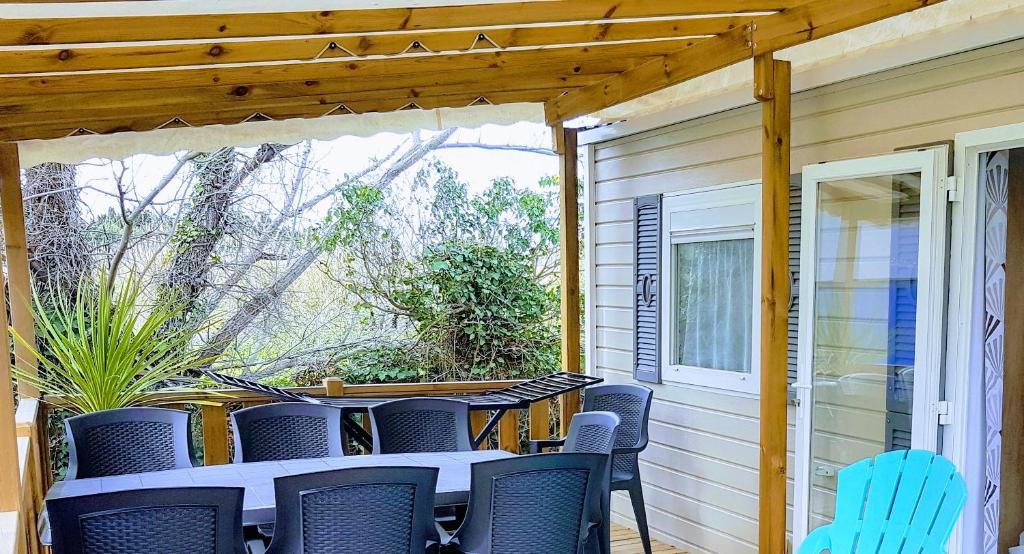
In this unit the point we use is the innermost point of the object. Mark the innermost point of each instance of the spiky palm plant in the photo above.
(106, 349)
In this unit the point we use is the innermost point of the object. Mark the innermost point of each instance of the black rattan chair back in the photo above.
(127, 440)
(542, 503)
(356, 511)
(632, 403)
(592, 432)
(193, 520)
(287, 431)
(421, 425)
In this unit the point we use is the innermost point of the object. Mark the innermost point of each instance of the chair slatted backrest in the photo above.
(287, 431)
(421, 425)
(357, 510)
(592, 432)
(632, 403)
(904, 501)
(127, 440)
(539, 503)
(188, 520)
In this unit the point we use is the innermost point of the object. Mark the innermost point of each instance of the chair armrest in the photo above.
(628, 450)
(818, 541)
(536, 447)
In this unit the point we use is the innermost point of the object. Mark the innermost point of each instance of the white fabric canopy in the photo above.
(118, 146)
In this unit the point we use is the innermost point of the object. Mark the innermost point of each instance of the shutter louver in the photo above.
(794, 271)
(904, 240)
(646, 293)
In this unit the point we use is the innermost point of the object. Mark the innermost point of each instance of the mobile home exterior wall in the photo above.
(700, 470)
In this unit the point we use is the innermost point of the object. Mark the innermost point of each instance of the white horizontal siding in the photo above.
(700, 470)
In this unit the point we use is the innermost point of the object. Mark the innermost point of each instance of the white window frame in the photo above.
(728, 212)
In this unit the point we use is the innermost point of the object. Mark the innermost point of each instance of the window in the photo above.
(712, 300)
(711, 254)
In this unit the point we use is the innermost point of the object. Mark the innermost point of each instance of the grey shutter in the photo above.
(794, 272)
(646, 263)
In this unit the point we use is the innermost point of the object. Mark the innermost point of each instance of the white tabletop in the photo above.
(257, 478)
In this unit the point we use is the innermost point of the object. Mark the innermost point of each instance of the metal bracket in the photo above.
(491, 424)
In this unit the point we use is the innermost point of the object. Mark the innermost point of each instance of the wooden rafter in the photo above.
(146, 55)
(330, 69)
(69, 30)
(815, 19)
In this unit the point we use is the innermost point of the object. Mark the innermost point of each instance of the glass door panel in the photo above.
(865, 230)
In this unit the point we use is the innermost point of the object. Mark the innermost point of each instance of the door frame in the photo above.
(967, 232)
(930, 335)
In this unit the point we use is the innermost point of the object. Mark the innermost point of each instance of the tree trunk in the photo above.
(218, 177)
(55, 230)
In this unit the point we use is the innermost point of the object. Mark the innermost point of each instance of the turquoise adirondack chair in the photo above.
(901, 502)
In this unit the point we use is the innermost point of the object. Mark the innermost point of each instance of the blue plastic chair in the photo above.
(414, 425)
(905, 501)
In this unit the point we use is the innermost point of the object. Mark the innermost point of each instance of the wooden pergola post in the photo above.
(772, 89)
(566, 145)
(19, 286)
(10, 487)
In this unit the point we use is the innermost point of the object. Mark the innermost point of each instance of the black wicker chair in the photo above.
(543, 503)
(590, 432)
(356, 511)
(632, 403)
(421, 425)
(287, 431)
(127, 440)
(194, 520)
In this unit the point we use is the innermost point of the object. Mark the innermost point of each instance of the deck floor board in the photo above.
(627, 541)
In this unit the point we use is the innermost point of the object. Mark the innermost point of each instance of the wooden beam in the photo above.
(799, 24)
(81, 30)
(10, 480)
(773, 86)
(1011, 478)
(159, 80)
(93, 58)
(569, 241)
(18, 273)
(413, 85)
(128, 122)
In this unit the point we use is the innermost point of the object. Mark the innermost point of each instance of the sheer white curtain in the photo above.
(713, 304)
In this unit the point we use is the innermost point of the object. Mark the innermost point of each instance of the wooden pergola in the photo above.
(111, 74)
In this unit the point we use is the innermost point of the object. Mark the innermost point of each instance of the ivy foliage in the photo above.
(475, 296)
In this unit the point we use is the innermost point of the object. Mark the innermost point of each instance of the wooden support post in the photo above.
(772, 89)
(566, 145)
(1011, 485)
(10, 488)
(334, 386)
(20, 286)
(540, 420)
(215, 434)
(508, 432)
(477, 422)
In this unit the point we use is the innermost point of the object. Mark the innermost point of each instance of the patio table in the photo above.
(257, 478)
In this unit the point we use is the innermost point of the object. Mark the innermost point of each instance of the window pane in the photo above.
(713, 301)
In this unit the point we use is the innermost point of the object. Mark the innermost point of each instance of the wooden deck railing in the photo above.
(214, 406)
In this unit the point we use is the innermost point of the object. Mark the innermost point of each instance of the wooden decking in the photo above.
(627, 541)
